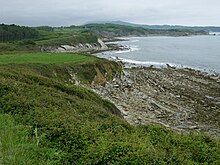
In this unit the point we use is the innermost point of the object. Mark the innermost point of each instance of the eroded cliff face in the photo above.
(75, 48)
(94, 74)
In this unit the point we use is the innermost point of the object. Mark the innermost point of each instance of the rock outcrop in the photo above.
(181, 99)
(87, 47)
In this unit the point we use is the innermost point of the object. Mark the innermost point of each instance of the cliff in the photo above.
(75, 48)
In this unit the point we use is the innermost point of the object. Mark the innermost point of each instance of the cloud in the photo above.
(68, 12)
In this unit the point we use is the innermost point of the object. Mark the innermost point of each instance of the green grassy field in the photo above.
(64, 37)
(46, 58)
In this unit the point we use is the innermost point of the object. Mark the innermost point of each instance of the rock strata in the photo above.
(181, 99)
(75, 48)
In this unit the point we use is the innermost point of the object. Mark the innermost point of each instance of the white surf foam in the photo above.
(135, 63)
(131, 48)
(134, 41)
(123, 51)
(134, 48)
(149, 63)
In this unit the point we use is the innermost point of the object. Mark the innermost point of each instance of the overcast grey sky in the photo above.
(69, 12)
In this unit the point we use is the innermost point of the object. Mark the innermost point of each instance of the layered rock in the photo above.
(87, 47)
(181, 99)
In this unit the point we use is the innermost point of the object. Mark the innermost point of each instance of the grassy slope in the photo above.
(65, 37)
(82, 127)
(46, 38)
(124, 30)
(24, 58)
(18, 147)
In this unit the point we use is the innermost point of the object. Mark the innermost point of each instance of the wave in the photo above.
(135, 63)
(134, 41)
(147, 63)
(123, 51)
(131, 48)
(134, 48)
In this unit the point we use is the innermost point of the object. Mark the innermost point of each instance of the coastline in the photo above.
(180, 98)
(116, 47)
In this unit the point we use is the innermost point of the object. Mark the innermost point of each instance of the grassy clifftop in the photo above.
(73, 125)
(64, 67)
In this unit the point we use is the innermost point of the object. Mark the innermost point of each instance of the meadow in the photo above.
(45, 58)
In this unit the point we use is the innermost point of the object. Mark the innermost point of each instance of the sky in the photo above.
(77, 12)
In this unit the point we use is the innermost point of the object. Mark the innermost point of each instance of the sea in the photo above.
(196, 52)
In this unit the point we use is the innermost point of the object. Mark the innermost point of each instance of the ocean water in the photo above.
(198, 52)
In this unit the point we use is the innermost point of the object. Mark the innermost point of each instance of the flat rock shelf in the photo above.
(180, 99)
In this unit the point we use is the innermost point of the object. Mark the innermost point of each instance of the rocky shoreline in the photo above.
(181, 99)
(91, 48)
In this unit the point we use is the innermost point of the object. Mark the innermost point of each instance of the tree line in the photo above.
(15, 32)
(45, 28)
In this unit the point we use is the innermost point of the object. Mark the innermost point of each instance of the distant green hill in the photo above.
(165, 27)
(118, 30)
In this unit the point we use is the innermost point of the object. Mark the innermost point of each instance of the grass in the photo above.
(69, 124)
(18, 147)
(48, 38)
(64, 37)
(46, 58)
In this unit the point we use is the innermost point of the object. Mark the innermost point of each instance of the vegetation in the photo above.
(117, 30)
(46, 119)
(15, 38)
(47, 39)
(68, 124)
(63, 37)
(14, 33)
(18, 146)
(45, 28)
(46, 58)
(169, 27)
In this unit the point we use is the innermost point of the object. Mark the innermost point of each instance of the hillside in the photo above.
(33, 39)
(119, 30)
(166, 27)
(64, 123)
